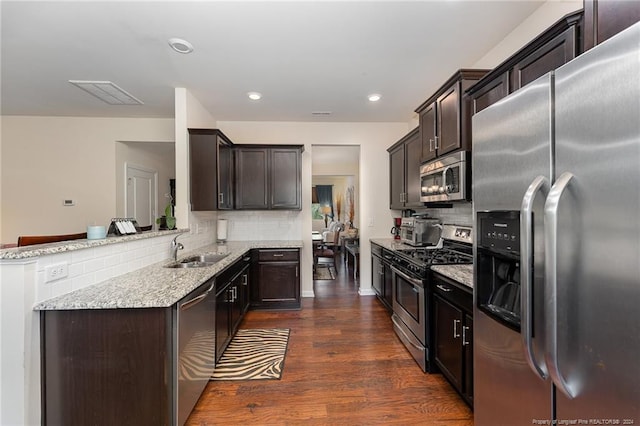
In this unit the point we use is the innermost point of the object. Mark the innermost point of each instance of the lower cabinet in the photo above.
(381, 278)
(453, 334)
(275, 280)
(232, 302)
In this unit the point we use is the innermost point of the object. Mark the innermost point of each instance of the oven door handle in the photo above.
(413, 281)
(526, 256)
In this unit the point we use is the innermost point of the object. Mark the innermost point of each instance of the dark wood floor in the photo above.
(344, 366)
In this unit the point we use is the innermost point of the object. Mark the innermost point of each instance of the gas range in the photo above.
(455, 247)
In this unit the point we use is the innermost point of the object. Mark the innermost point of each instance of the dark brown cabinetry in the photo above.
(107, 366)
(381, 279)
(268, 177)
(445, 118)
(453, 334)
(210, 168)
(232, 301)
(404, 168)
(275, 280)
(605, 18)
(556, 46)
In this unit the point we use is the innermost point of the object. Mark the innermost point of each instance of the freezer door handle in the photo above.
(526, 259)
(551, 281)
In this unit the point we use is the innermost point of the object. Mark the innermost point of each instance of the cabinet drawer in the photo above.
(278, 255)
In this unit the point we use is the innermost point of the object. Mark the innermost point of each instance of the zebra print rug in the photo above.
(253, 354)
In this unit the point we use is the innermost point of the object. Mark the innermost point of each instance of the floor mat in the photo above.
(254, 354)
(324, 272)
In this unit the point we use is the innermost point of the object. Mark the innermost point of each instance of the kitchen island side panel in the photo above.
(106, 366)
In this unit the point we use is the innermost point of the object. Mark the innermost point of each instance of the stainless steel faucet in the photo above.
(175, 246)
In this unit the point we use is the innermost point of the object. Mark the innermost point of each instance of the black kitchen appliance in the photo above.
(411, 293)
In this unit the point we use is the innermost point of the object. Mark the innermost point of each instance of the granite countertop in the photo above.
(391, 244)
(460, 273)
(72, 245)
(155, 286)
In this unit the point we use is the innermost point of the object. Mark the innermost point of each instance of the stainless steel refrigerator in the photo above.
(556, 202)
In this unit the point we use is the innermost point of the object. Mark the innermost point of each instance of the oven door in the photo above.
(409, 303)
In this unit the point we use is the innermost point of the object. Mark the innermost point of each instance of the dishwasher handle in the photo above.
(183, 306)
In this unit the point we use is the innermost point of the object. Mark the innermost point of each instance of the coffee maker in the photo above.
(395, 231)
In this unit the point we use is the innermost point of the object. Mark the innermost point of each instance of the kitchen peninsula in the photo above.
(139, 285)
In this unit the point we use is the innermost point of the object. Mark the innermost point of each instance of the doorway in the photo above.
(141, 194)
(335, 199)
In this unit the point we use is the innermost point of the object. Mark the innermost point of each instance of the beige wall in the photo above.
(48, 159)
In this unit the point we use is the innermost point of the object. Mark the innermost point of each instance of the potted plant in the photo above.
(168, 221)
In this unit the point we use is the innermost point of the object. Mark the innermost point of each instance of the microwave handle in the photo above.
(444, 179)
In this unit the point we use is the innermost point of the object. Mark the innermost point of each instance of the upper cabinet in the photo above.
(210, 170)
(445, 118)
(550, 50)
(404, 166)
(606, 18)
(268, 177)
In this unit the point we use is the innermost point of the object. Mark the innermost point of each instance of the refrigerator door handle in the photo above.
(526, 259)
(551, 281)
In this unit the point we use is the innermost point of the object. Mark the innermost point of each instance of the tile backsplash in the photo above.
(459, 214)
(263, 224)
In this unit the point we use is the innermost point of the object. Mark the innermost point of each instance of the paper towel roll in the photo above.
(222, 230)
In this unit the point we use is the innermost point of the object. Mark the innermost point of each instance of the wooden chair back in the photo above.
(29, 240)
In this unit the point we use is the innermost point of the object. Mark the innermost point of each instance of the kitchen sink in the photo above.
(198, 261)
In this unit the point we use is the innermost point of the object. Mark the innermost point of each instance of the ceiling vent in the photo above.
(320, 113)
(107, 92)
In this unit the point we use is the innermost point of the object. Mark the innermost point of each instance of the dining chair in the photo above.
(29, 240)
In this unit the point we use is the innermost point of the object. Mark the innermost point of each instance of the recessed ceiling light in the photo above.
(254, 96)
(108, 92)
(180, 45)
(374, 97)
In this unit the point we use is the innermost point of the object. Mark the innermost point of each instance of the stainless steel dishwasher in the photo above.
(194, 323)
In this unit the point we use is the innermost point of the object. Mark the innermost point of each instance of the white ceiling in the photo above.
(302, 56)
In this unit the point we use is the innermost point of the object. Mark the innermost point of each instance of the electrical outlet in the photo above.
(56, 272)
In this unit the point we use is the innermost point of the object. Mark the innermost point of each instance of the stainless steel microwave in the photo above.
(445, 179)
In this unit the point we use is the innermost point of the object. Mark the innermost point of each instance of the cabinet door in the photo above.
(557, 52)
(252, 179)
(279, 282)
(285, 184)
(491, 93)
(203, 155)
(467, 344)
(225, 176)
(223, 318)
(448, 340)
(605, 18)
(377, 275)
(413, 152)
(428, 133)
(397, 174)
(448, 132)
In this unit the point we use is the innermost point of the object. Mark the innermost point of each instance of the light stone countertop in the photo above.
(72, 245)
(391, 244)
(155, 286)
(460, 273)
